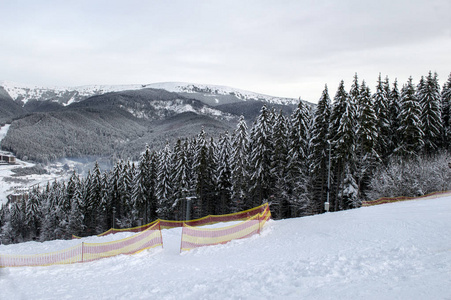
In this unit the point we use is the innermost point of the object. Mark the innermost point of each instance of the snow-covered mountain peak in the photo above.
(219, 90)
(23, 93)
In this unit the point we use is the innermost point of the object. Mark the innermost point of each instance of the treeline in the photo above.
(283, 160)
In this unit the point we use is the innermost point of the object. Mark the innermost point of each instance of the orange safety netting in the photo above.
(384, 200)
(193, 237)
(210, 219)
(84, 252)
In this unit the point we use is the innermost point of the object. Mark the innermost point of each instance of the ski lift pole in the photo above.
(326, 204)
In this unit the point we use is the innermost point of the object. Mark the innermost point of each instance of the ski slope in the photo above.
(392, 251)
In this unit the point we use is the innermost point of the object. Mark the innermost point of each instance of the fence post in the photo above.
(82, 250)
(259, 225)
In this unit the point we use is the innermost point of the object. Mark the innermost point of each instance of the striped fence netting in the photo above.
(384, 200)
(84, 252)
(208, 220)
(193, 237)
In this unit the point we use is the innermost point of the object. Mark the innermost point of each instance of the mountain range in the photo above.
(118, 121)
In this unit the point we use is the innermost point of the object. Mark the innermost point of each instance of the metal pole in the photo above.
(326, 205)
(188, 208)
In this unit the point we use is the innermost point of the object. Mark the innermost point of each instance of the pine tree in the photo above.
(367, 137)
(381, 109)
(319, 152)
(33, 214)
(394, 118)
(298, 165)
(431, 120)
(183, 179)
(239, 165)
(279, 168)
(224, 175)
(204, 176)
(164, 188)
(76, 217)
(343, 124)
(410, 129)
(260, 159)
(446, 113)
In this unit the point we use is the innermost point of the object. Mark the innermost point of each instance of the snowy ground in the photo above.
(392, 251)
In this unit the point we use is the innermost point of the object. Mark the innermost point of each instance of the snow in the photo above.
(27, 91)
(392, 251)
(185, 87)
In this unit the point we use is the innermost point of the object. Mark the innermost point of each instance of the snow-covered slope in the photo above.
(218, 90)
(67, 95)
(64, 95)
(392, 251)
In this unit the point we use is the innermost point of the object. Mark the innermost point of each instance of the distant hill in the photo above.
(118, 121)
(114, 124)
(9, 109)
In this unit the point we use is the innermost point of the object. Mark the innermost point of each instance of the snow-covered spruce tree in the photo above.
(224, 175)
(319, 153)
(411, 135)
(342, 132)
(281, 189)
(93, 199)
(183, 178)
(298, 164)
(128, 173)
(428, 95)
(33, 214)
(367, 137)
(76, 226)
(50, 212)
(260, 160)
(381, 108)
(164, 188)
(239, 164)
(204, 177)
(394, 117)
(446, 113)
(144, 187)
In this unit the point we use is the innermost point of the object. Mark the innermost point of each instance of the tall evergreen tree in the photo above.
(165, 184)
(224, 175)
(260, 159)
(381, 109)
(394, 117)
(343, 124)
(298, 164)
(446, 113)
(410, 129)
(281, 188)
(319, 152)
(429, 98)
(240, 166)
(367, 137)
(204, 176)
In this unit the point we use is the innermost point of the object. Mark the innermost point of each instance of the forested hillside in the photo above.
(114, 124)
(393, 142)
(9, 109)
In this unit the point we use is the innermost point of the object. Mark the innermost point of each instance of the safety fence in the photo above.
(384, 200)
(149, 236)
(207, 220)
(85, 252)
(194, 237)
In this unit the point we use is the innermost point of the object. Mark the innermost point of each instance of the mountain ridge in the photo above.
(22, 93)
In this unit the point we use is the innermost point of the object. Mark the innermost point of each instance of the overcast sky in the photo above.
(280, 48)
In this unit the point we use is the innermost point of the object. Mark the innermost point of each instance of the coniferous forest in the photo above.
(364, 144)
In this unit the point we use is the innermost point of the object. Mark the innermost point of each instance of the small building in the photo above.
(17, 197)
(9, 159)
